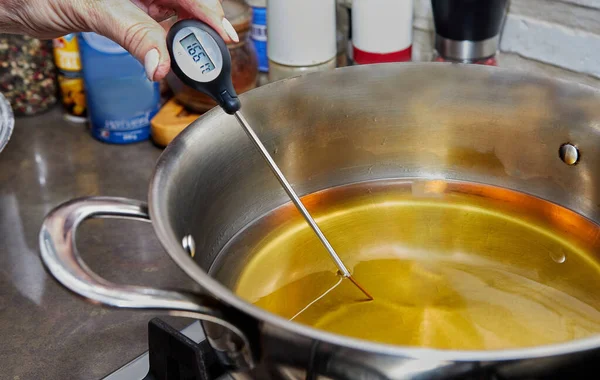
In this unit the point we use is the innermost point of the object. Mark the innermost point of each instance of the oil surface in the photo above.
(450, 265)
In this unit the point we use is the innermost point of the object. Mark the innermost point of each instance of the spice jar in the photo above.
(244, 61)
(27, 74)
(301, 37)
(70, 79)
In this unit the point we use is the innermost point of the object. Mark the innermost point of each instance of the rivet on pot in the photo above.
(189, 245)
(569, 154)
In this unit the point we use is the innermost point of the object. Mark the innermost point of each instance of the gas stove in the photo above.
(186, 355)
(173, 355)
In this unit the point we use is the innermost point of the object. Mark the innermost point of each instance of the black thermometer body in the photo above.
(201, 60)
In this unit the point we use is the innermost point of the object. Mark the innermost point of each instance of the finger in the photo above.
(158, 10)
(211, 12)
(160, 13)
(137, 32)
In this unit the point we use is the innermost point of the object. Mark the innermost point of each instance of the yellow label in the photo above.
(73, 95)
(66, 53)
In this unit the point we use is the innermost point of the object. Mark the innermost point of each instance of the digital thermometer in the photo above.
(200, 58)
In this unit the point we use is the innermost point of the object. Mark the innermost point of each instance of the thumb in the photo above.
(138, 33)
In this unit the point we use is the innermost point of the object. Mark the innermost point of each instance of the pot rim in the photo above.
(166, 235)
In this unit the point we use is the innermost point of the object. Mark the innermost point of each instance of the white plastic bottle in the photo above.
(301, 37)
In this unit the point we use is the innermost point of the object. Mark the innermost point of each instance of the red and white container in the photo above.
(382, 31)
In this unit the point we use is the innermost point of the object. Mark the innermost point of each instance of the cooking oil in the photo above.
(451, 265)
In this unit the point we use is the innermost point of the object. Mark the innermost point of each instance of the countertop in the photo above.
(46, 331)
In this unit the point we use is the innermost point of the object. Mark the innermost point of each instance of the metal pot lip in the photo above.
(158, 206)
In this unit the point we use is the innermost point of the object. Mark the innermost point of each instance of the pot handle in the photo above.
(62, 259)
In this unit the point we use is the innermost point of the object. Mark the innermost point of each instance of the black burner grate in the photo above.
(174, 356)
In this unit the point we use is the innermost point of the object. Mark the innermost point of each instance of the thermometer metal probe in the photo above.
(200, 58)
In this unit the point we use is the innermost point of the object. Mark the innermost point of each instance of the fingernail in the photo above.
(151, 61)
(230, 30)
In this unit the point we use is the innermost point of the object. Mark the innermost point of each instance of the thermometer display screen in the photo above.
(193, 47)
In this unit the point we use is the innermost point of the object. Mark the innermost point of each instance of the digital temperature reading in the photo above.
(191, 44)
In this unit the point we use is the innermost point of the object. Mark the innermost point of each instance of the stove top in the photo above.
(173, 355)
(186, 355)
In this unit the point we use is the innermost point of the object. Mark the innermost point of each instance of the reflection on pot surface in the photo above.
(451, 265)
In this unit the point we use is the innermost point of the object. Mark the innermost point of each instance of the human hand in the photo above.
(134, 24)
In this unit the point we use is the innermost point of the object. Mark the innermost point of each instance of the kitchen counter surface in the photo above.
(47, 332)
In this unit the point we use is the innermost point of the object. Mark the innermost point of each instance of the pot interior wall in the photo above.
(358, 124)
(450, 265)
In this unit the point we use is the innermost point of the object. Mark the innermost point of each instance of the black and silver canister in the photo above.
(468, 30)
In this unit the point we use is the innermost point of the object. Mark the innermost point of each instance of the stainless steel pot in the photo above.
(450, 121)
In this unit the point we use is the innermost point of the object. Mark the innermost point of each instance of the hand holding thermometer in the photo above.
(200, 58)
